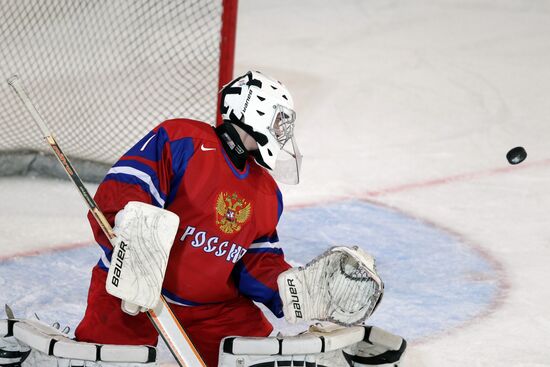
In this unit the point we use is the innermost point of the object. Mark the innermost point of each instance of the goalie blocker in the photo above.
(144, 237)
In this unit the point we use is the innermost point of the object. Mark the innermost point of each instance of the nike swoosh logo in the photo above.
(205, 149)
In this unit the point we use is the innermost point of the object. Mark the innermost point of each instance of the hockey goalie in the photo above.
(195, 211)
(340, 286)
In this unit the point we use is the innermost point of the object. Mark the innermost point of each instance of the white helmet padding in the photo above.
(264, 109)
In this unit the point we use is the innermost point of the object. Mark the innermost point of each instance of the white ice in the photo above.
(410, 104)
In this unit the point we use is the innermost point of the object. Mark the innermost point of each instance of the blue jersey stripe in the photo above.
(182, 150)
(173, 297)
(280, 206)
(256, 290)
(265, 250)
(274, 238)
(108, 251)
(102, 265)
(239, 175)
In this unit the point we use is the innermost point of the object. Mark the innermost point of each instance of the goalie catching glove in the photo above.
(341, 286)
(144, 237)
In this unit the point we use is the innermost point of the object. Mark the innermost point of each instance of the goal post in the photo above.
(106, 72)
(227, 47)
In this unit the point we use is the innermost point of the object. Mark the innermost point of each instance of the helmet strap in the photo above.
(232, 144)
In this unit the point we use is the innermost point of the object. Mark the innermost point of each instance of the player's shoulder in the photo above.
(268, 183)
(272, 193)
(186, 128)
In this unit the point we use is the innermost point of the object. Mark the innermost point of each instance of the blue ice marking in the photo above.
(433, 281)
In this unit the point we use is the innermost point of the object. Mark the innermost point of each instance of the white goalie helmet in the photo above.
(263, 108)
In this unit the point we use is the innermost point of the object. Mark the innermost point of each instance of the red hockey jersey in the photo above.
(226, 243)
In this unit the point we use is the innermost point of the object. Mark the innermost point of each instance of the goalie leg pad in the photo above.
(341, 286)
(379, 348)
(37, 358)
(49, 347)
(11, 352)
(341, 347)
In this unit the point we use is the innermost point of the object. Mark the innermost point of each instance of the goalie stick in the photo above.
(162, 316)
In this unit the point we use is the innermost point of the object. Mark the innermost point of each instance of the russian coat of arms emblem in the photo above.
(232, 212)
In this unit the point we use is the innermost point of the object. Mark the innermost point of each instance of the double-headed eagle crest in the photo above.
(231, 212)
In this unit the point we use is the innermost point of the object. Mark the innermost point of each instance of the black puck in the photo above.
(516, 155)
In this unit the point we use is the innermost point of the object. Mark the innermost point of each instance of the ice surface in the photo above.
(412, 105)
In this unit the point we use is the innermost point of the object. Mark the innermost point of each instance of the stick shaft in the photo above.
(162, 317)
(16, 85)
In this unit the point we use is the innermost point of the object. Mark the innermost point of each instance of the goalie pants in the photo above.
(104, 322)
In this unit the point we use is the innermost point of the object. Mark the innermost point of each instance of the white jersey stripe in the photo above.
(105, 261)
(264, 245)
(141, 176)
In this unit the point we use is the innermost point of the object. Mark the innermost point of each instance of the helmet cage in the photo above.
(282, 125)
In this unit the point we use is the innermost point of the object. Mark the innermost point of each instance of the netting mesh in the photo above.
(102, 73)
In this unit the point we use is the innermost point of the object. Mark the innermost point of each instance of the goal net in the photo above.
(102, 73)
